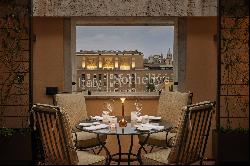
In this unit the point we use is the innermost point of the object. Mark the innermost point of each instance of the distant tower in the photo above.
(169, 54)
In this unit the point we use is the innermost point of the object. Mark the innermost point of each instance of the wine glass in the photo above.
(105, 113)
(105, 110)
(109, 105)
(138, 107)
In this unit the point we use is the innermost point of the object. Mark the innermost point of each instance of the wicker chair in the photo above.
(191, 139)
(53, 127)
(74, 105)
(170, 108)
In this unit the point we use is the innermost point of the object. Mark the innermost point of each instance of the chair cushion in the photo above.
(160, 157)
(86, 139)
(158, 139)
(86, 158)
(171, 104)
(75, 106)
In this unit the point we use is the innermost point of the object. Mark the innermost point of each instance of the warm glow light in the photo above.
(83, 64)
(108, 67)
(91, 67)
(124, 67)
(100, 64)
(123, 99)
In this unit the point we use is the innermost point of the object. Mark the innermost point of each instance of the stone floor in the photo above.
(125, 142)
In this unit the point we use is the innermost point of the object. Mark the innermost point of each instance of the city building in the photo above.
(211, 59)
(159, 62)
(119, 71)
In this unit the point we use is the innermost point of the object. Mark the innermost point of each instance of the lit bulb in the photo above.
(123, 99)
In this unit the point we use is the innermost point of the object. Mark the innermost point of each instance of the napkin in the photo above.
(154, 117)
(85, 124)
(149, 127)
(154, 127)
(97, 127)
(97, 117)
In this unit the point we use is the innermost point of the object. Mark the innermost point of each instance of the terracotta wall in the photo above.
(48, 66)
(201, 63)
(201, 58)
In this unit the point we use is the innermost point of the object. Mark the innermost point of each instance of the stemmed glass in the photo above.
(107, 110)
(138, 107)
(109, 106)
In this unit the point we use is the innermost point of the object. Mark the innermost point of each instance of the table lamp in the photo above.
(123, 122)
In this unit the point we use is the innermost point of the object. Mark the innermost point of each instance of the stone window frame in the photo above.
(179, 48)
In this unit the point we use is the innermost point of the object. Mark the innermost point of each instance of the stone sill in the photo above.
(127, 95)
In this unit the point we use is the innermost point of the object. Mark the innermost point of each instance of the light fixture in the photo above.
(123, 122)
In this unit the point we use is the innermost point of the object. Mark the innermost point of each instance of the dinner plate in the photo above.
(144, 128)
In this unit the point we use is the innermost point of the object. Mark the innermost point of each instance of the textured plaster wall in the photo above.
(124, 7)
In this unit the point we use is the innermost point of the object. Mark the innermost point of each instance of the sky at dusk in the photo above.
(147, 39)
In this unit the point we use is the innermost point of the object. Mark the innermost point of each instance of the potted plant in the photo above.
(231, 145)
(15, 146)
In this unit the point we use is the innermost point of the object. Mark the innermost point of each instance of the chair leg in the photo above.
(144, 150)
(93, 151)
(99, 150)
(151, 149)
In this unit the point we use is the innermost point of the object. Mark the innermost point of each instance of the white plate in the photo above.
(154, 117)
(144, 128)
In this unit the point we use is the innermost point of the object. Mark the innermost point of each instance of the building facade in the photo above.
(159, 62)
(119, 71)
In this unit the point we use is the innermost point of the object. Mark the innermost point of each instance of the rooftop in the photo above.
(110, 52)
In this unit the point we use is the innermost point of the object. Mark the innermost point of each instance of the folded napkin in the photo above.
(99, 117)
(149, 127)
(96, 117)
(85, 124)
(97, 127)
(154, 117)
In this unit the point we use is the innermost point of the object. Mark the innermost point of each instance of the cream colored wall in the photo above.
(201, 64)
(48, 66)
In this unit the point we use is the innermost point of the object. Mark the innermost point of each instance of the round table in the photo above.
(131, 130)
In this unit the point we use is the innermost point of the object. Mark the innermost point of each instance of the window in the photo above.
(118, 50)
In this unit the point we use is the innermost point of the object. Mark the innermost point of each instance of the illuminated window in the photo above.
(116, 62)
(133, 63)
(83, 62)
